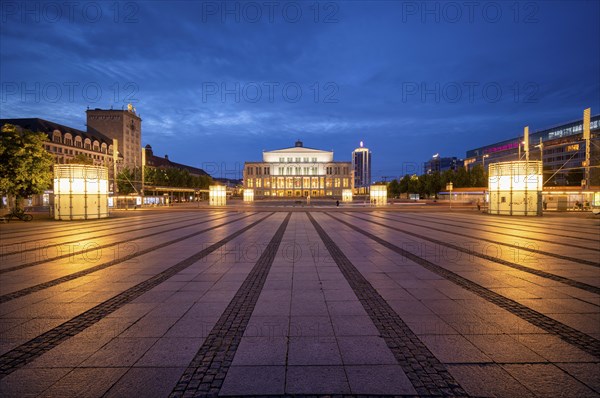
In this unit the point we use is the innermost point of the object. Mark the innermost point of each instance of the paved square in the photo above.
(255, 302)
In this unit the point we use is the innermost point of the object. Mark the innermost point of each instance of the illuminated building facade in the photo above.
(361, 164)
(64, 143)
(562, 152)
(298, 171)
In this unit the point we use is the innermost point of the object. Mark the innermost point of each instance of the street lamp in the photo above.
(487, 155)
(449, 187)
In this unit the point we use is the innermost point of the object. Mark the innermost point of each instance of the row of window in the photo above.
(336, 170)
(79, 143)
(72, 152)
(251, 170)
(296, 170)
(297, 182)
(296, 193)
(297, 160)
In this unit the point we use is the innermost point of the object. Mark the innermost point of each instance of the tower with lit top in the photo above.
(361, 164)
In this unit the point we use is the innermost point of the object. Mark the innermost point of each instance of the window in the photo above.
(298, 171)
(281, 170)
(267, 171)
(336, 182)
(297, 160)
(314, 160)
(289, 160)
(281, 160)
(57, 137)
(305, 160)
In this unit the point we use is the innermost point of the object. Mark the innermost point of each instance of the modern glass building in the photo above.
(561, 149)
(298, 171)
(361, 164)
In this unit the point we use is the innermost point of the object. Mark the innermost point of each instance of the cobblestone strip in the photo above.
(512, 228)
(206, 372)
(112, 233)
(426, 373)
(516, 247)
(36, 288)
(94, 248)
(37, 346)
(543, 274)
(566, 333)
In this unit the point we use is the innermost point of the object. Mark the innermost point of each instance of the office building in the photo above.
(361, 164)
(561, 149)
(439, 164)
(123, 125)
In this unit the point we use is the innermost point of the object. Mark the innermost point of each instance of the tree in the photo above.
(81, 158)
(125, 181)
(25, 166)
(477, 176)
(394, 189)
(404, 182)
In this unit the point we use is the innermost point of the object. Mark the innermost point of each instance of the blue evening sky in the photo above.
(216, 83)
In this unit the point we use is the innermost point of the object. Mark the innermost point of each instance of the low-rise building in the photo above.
(298, 171)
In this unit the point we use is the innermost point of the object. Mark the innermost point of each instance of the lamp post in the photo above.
(487, 155)
(449, 187)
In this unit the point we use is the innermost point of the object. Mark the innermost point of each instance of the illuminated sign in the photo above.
(502, 148)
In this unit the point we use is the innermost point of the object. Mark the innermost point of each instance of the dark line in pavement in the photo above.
(437, 221)
(76, 225)
(426, 373)
(206, 372)
(111, 228)
(27, 352)
(570, 335)
(96, 248)
(543, 274)
(112, 233)
(45, 285)
(537, 251)
(539, 221)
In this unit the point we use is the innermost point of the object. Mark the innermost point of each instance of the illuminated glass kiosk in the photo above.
(346, 195)
(248, 195)
(217, 195)
(378, 195)
(515, 188)
(80, 192)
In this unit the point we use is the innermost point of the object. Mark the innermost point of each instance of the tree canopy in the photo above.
(428, 185)
(129, 181)
(25, 165)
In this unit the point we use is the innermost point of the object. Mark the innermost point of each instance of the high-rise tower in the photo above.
(123, 125)
(361, 163)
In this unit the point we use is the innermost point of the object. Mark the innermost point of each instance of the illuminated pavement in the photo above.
(199, 302)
